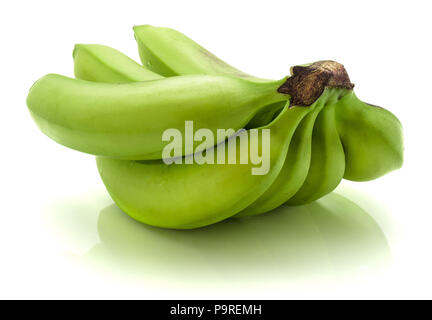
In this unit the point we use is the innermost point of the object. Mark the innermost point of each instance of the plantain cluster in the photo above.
(117, 109)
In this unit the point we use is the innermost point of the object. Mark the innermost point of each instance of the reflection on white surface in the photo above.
(332, 238)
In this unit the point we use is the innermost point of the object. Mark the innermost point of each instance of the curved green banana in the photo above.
(180, 196)
(371, 137)
(128, 120)
(94, 62)
(327, 165)
(171, 53)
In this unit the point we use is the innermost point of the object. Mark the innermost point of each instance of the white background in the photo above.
(62, 237)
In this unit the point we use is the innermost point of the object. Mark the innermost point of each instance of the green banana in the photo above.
(171, 53)
(182, 196)
(327, 165)
(127, 121)
(371, 137)
(100, 63)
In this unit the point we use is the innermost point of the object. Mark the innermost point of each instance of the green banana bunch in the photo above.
(119, 109)
(138, 201)
(323, 176)
(127, 120)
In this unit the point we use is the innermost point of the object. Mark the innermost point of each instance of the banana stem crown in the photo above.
(308, 82)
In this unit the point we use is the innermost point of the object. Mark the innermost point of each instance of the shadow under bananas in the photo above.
(332, 237)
